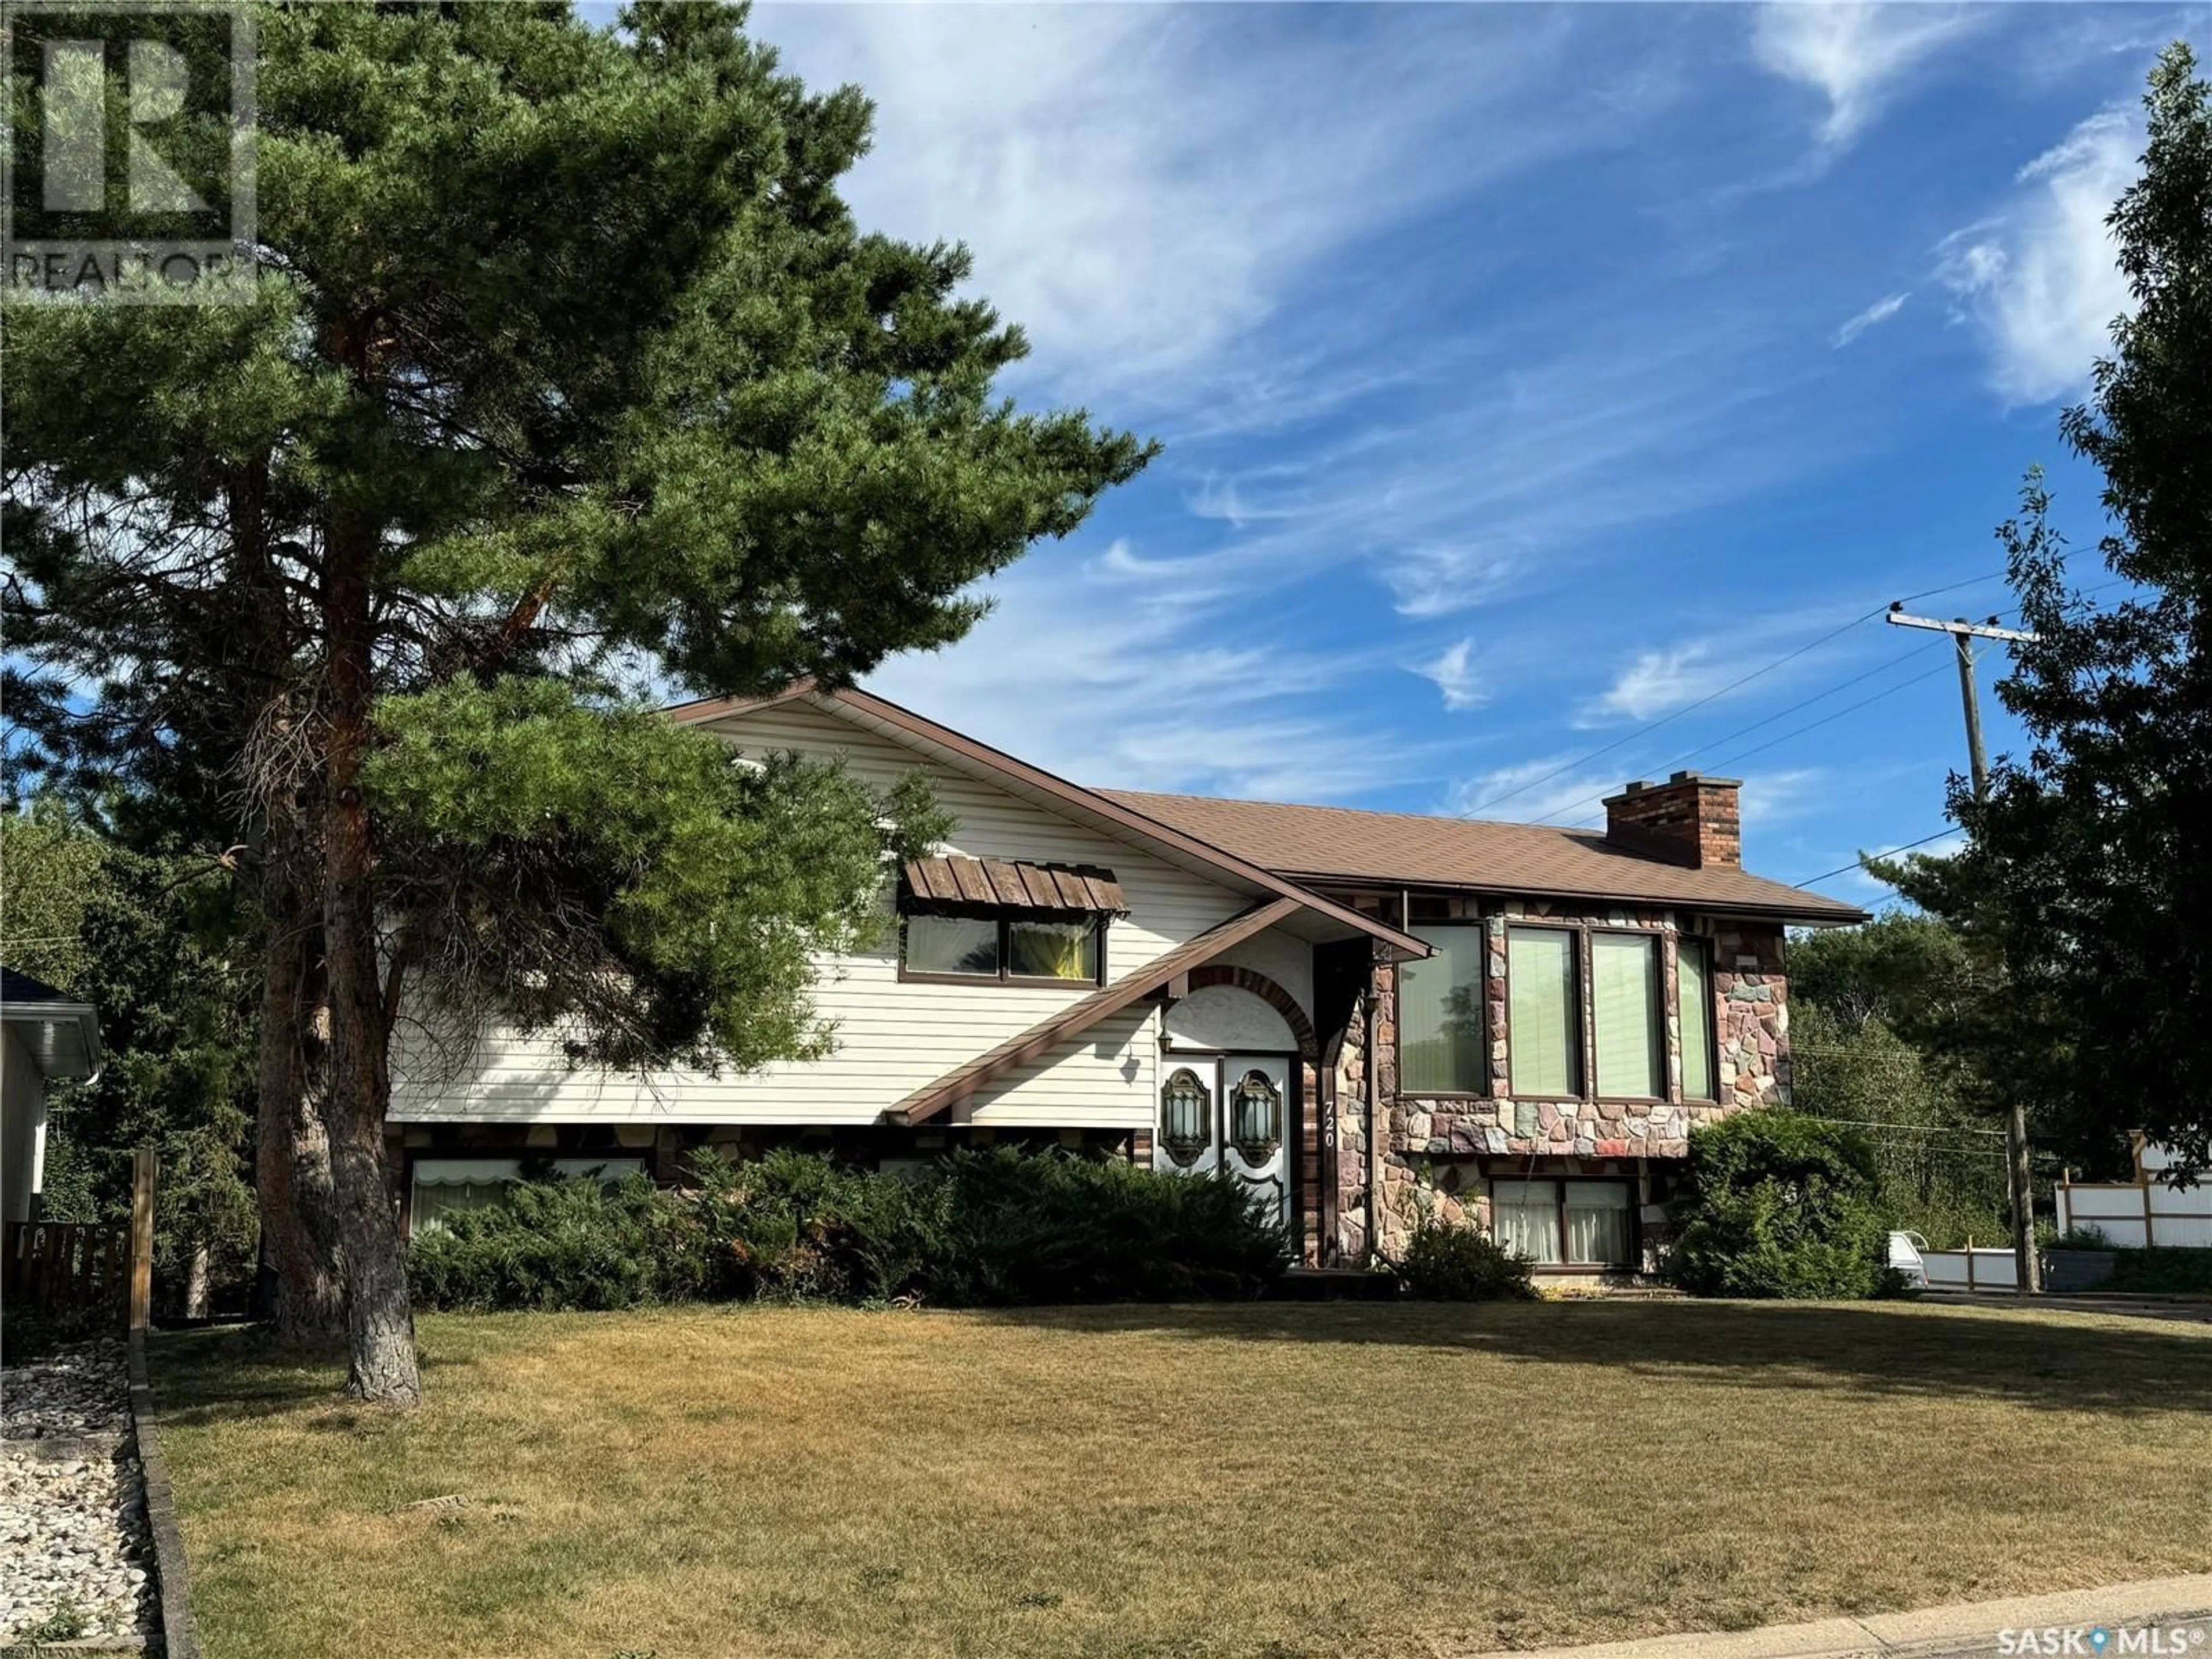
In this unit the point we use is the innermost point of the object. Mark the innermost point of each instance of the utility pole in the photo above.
(2027, 1272)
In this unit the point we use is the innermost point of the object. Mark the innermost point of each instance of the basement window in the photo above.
(1575, 1223)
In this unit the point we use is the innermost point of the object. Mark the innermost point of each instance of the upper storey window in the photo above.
(1016, 924)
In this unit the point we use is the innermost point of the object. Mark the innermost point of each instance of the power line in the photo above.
(1756, 673)
(1852, 709)
(1844, 869)
(1805, 702)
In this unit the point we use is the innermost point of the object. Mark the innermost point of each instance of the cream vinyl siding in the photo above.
(891, 1038)
(1284, 957)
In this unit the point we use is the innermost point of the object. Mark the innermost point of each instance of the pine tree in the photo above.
(567, 379)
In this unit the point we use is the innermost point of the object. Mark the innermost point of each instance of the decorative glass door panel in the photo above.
(1228, 1115)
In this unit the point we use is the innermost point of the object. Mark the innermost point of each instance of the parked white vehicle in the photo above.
(1905, 1250)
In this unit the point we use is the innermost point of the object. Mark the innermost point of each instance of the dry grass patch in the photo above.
(1253, 1480)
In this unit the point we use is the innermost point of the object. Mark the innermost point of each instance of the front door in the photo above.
(1228, 1115)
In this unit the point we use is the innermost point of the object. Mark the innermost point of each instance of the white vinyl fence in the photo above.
(2143, 1212)
(2134, 1217)
(1971, 1270)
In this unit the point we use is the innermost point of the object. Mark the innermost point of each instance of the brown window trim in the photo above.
(1581, 995)
(1006, 919)
(1703, 944)
(1634, 1264)
(1482, 987)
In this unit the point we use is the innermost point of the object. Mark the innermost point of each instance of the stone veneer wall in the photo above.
(1430, 1145)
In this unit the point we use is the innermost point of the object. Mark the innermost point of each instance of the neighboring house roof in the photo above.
(61, 1034)
(1034, 781)
(1340, 844)
(961, 1082)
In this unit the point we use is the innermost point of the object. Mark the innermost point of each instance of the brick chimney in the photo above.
(1690, 818)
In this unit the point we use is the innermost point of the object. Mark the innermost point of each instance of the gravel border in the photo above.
(72, 1520)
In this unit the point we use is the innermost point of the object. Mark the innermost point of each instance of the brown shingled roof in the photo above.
(1393, 849)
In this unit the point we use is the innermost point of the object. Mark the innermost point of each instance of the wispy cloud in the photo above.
(1658, 682)
(1773, 798)
(1855, 55)
(1549, 789)
(2039, 283)
(1454, 675)
(1117, 670)
(1873, 317)
(1137, 250)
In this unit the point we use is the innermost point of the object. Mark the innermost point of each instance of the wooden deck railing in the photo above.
(58, 1265)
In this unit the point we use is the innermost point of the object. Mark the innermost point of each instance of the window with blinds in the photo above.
(1440, 1015)
(1693, 1011)
(1625, 1006)
(1543, 1041)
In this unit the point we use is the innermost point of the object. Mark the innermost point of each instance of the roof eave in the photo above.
(1842, 915)
(82, 1015)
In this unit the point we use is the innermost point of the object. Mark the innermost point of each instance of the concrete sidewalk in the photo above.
(1966, 1627)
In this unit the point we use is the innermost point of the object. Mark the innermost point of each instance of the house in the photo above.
(1362, 1014)
(44, 1037)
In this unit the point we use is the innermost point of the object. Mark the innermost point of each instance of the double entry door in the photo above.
(1228, 1113)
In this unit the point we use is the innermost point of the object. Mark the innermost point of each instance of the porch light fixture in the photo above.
(1255, 1119)
(1184, 1113)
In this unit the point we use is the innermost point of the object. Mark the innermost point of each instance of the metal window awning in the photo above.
(1000, 884)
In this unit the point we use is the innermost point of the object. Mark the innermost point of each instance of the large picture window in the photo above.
(1014, 948)
(1440, 1046)
(1693, 1012)
(1575, 1223)
(1543, 1041)
(1624, 1009)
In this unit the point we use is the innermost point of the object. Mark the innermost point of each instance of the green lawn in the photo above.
(1274, 1480)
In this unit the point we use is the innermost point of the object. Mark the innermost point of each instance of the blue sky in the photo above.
(1525, 375)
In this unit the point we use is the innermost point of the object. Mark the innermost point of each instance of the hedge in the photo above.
(978, 1229)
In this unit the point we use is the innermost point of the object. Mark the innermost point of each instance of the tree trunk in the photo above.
(196, 1283)
(380, 1321)
(302, 1291)
(292, 1160)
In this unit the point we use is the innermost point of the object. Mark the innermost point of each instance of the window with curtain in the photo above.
(1693, 1012)
(952, 944)
(1440, 1047)
(1543, 1039)
(1625, 1006)
(1053, 950)
(1597, 1222)
(1524, 1218)
(1004, 947)
(1577, 1224)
